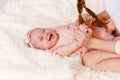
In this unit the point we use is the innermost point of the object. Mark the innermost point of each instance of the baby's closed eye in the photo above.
(41, 38)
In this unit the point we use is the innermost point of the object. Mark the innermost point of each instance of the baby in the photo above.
(63, 40)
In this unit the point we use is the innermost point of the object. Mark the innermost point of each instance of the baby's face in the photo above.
(43, 38)
(88, 19)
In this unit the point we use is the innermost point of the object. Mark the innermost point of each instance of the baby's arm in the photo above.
(66, 50)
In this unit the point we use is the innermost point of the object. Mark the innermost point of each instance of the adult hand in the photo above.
(83, 36)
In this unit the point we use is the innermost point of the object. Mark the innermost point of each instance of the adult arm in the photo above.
(106, 45)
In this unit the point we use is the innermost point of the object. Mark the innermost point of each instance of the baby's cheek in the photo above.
(49, 45)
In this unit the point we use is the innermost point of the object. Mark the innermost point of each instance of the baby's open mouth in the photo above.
(50, 37)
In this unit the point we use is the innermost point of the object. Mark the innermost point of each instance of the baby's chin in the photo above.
(50, 47)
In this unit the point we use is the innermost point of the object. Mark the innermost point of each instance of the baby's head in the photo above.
(42, 38)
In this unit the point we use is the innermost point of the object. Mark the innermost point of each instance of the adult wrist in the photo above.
(106, 45)
(92, 43)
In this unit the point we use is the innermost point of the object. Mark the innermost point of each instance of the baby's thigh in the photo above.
(94, 57)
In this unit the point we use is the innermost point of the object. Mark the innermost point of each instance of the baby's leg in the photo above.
(94, 57)
(112, 64)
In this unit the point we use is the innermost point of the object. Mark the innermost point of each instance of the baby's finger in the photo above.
(83, 28)
(80, 36)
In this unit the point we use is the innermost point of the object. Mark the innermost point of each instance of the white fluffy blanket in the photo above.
(18, 62)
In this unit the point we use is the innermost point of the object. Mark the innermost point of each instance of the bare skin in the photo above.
(102, 61)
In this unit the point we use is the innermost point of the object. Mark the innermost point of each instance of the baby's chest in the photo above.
(65, 37)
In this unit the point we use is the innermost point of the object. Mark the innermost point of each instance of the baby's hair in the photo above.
(80, 5)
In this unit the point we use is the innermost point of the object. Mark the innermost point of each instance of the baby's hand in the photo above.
(84, 28)
(83, 36)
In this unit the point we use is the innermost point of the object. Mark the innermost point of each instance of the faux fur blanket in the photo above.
(18, 62)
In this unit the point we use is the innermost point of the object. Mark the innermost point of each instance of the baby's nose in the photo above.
(46, 36)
